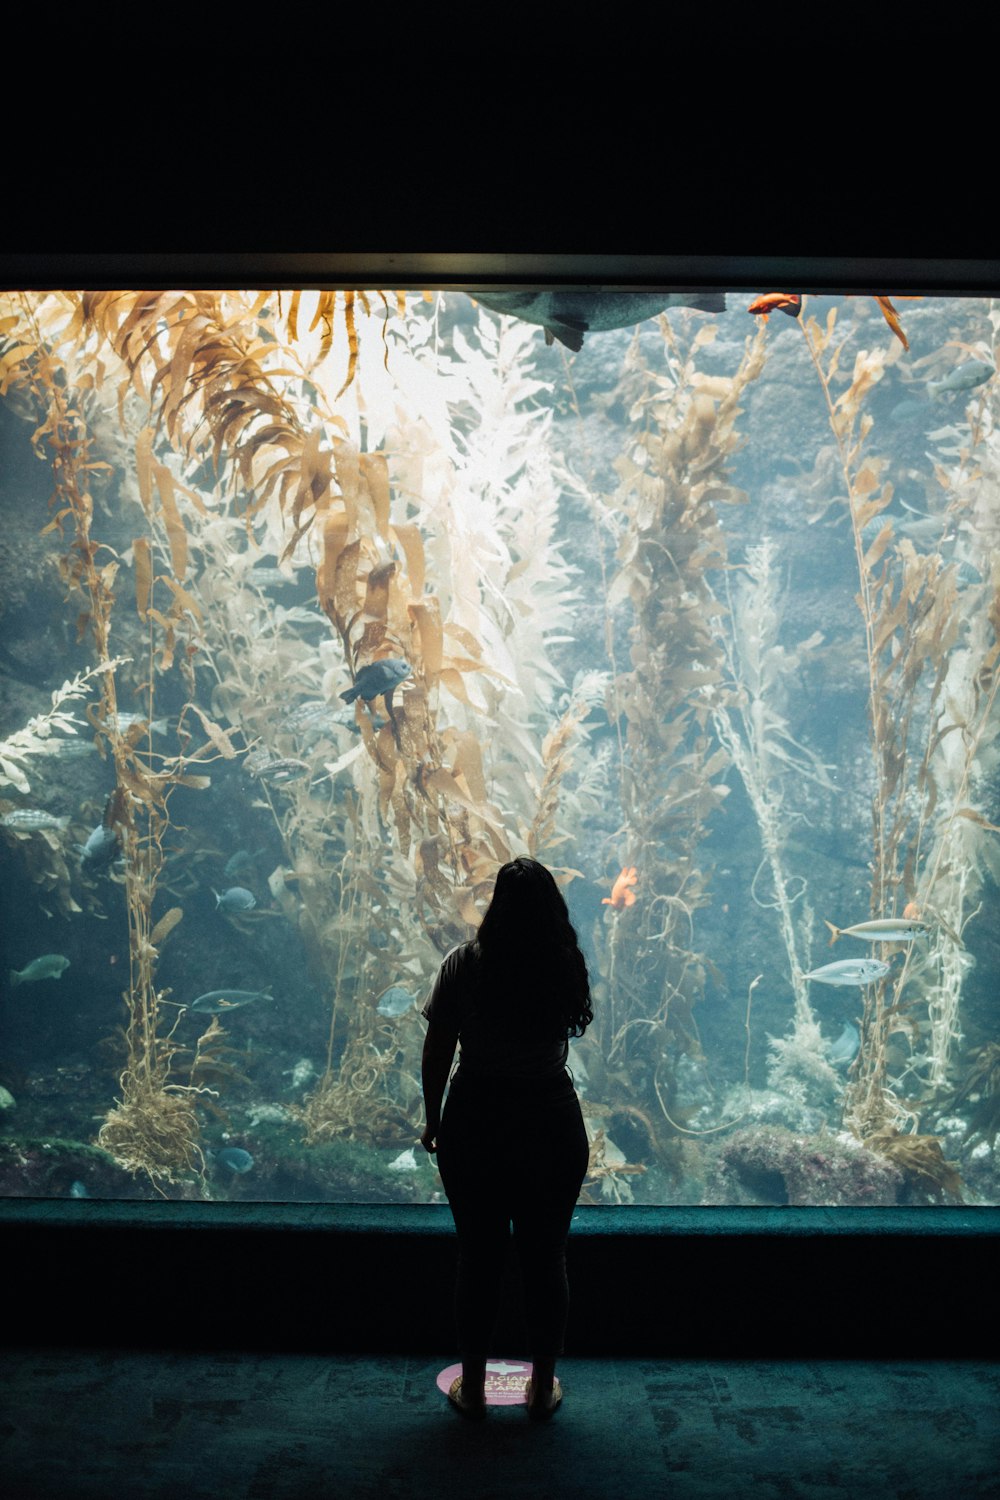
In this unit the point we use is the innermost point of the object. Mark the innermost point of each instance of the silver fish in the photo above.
(881, 930)
(237, 898)
(315, 711)
(279, 770)
(850, 971)
(29, 819)
(217, 1002)
(49, 966)
(265, 577)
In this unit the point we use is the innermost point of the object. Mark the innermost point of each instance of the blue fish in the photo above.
(845, 1049)
(235, 1159)
(237, 898)
(395, 1002)
(241, 860)
(567, 316)
(217, 1002)
(100, 850)
(377, 678)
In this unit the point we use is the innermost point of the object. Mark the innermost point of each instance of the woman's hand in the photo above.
(429, 1140)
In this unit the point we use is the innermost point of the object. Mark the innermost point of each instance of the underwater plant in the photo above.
(748, 717)
(153, 1127)
(931, 649)
(672, 769)
(447, 782)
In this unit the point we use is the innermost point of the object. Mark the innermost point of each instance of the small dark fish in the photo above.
(30, 819)
(217, 1002)
(850, 971)
(568, 316)
(237, 898)
(377, 678)
(279, 771)
(101, 848)
(234, 1159)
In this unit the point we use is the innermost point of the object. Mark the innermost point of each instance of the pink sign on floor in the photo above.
(505, 1381)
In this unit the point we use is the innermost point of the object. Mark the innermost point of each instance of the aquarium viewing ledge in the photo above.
(669, 1282)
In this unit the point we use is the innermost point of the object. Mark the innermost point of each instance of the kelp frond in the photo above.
(41, 735)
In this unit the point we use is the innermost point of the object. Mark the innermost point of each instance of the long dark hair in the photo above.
(531, 960)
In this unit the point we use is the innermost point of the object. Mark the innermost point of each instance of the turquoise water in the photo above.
(702, 613)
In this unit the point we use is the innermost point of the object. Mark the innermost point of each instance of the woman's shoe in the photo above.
(536, 1410)
(474, 1410)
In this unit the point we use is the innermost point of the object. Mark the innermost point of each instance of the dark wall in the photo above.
(736, 1283)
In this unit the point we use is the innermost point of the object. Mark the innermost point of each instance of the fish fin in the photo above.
(350, 695)
(834, 931)
(605, 901)
(571, 337)
(630, 899)
(792, 312)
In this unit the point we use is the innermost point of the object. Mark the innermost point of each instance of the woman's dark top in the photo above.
(494, 1044)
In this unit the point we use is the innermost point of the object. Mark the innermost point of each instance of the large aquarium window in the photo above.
(316, 607)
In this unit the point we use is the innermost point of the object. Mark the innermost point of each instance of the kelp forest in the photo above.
(317, 607)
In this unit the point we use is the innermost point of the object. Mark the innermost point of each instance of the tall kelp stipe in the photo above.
(749, 714)
(673, 478)
(931, 651)
(154, 1127)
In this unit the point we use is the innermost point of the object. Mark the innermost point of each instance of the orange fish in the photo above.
(892, 318)
(786, 302)
(620, 893)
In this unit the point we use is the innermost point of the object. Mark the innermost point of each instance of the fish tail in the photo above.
(15, 977)
(835, 932)
(350, 695)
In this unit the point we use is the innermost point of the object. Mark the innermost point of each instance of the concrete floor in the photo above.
(108, 1424)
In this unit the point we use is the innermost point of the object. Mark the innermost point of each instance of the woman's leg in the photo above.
(482, 1223)
(548, 1190)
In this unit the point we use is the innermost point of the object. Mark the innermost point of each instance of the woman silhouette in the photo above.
(511, 1144)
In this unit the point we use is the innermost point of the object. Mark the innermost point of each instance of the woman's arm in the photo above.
(438, 1055)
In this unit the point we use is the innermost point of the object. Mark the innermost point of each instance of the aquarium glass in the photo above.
(315, 608)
